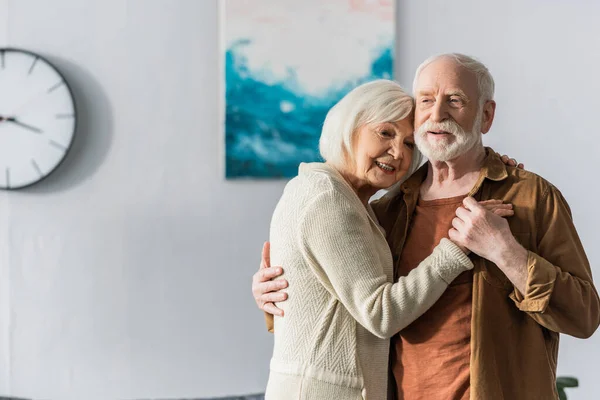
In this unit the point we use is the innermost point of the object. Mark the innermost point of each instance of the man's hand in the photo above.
(496, 207)
(264, 289)
(488, 235)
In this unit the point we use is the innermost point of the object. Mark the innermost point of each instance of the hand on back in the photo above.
(266, 290)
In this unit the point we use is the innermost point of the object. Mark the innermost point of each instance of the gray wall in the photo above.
(127, 273)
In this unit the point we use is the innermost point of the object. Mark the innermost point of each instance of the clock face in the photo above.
(37, 118)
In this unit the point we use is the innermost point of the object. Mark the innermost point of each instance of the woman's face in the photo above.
(383, 154)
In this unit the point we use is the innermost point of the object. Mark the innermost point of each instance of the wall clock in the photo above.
(37, 118)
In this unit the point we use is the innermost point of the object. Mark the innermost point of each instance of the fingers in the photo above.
(494, 207)
(272, 309)
(273, 286)
(267, 274)
(462, 213)
(265, 292)
(498, 208)
(504, 213)
(521, 166)
(491, 201)
(266, 256)
(274, 297)
(509, 161)
(263, 285)
(458, 224)
(454, 236)
(471, 204)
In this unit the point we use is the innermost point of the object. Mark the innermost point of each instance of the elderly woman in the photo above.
(343, 304)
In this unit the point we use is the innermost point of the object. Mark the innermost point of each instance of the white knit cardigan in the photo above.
(342, 307)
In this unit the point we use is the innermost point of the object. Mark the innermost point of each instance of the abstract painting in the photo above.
(286, 63)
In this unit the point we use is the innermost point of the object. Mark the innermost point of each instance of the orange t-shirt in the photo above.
(431, 357)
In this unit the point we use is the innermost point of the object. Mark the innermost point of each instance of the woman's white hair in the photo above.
(374, 102)
(485, 81)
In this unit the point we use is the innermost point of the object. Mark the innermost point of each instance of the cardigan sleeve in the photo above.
(337, 241)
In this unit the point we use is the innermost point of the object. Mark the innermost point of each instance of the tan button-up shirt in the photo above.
(514, 336)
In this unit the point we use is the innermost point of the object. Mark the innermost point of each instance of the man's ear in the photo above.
(489, 110)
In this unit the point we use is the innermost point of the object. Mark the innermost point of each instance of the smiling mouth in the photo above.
(387, 168)
(438, 132)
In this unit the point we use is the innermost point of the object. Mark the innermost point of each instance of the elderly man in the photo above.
(494, 333)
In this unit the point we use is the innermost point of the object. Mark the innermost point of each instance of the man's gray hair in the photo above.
(485, 81)
(374, 102)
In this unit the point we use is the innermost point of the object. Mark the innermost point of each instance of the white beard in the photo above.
(443, 150)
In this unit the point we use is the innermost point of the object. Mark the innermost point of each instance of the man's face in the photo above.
(448, 119)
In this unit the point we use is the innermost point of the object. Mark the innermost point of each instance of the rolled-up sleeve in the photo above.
(560, 293)
(541, 276)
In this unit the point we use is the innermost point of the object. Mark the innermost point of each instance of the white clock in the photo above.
(37, 118)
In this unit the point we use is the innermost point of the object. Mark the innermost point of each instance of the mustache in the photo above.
(446, 126)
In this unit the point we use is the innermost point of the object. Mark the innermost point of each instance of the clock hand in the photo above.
(17, 122)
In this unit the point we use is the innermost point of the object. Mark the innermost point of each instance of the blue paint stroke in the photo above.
(270, 128)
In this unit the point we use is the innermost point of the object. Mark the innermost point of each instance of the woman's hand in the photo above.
(498, 207)
(511, 162)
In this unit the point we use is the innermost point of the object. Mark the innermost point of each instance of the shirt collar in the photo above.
(493, 169)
